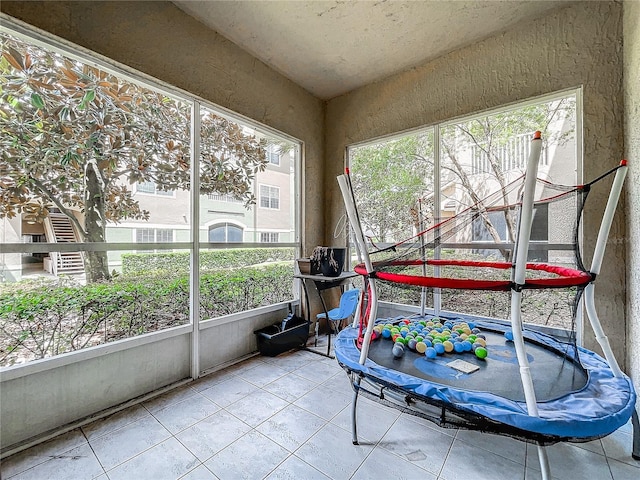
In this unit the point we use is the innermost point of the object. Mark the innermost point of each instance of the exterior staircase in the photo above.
(59, 229)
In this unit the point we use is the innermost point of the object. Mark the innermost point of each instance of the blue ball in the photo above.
(386, 333)
(412, 344)
(428, 342)
(398, 350)
(471, 325)
(509, 335)
(466, 345)
(458, 347)
(430, 352)
(439, 348)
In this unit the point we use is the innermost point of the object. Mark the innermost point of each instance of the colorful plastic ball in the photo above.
(448, 346)
(481, 352)
(428, 342)
(421, 347)
(458, 347)
(412, 343)
(398, 350)
(476, 345)
(471, 325)
(467, 346)
(431, 352)
(419, 338)
(509, 335)
(481, 341)
(439, 348)
(386, 333)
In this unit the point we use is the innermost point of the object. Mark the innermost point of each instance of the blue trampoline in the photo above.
(579, 398)
(532, 386)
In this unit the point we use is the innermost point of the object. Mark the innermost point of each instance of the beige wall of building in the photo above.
(580, 45)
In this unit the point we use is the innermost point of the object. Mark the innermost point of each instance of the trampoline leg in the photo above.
(544, 463)
(354, 429)
(635, 451)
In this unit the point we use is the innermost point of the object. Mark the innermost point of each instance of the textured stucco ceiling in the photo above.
(332, 47)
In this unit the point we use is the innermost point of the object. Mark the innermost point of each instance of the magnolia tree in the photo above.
(76, 138)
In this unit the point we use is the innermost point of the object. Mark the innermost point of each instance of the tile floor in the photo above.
(288, 417)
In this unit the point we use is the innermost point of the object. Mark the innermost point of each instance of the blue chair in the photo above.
(347, 307)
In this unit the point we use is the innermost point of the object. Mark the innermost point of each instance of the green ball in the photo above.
(481, 352)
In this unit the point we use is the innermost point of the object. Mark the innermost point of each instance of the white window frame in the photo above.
(440, 199)
(269, 237)
(155, 193)
(270, 196)
(226, 225)
(274, 152)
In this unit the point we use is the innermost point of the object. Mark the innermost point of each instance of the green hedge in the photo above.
(145, 263)
(43, 318)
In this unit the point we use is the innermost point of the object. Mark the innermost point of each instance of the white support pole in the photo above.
(362, 246)
(519, 276)
(520, 266)
(194, 259)
(598, 255)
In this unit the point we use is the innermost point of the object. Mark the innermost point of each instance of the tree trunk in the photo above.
(96, 263)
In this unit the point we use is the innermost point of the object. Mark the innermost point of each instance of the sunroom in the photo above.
(142, 288)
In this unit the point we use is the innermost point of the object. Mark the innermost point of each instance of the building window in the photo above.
(150, 188)
(154, 235)
(269, 197)
(269, 237)
(273, 154)
(225, 233)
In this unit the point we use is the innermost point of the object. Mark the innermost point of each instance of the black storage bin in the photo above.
(276, 339)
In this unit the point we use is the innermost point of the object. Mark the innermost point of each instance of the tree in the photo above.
(491, 137)
(389, 179)
(75, 138)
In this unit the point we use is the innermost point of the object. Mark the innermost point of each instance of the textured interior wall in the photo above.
(578, 45)
(631, 36)
(160, 40)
